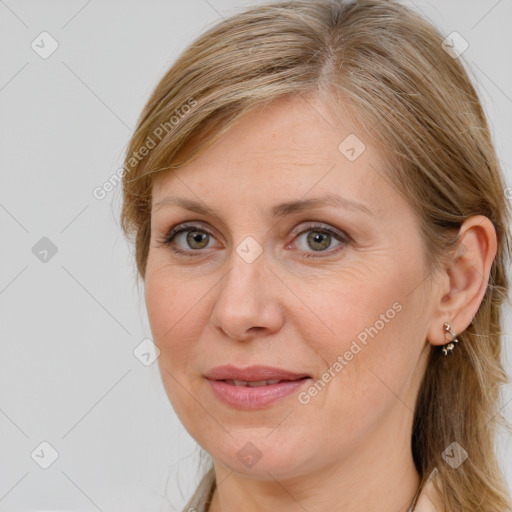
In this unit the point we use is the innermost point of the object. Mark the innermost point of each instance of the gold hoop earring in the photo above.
(448, 348)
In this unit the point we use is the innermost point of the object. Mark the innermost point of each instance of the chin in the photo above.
(262, 457)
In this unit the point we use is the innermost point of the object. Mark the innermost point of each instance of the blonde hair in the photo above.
(384, 66)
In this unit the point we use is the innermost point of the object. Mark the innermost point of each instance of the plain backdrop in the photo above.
(73, 394)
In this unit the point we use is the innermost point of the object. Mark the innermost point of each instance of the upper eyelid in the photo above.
(298, 230)
(343, 238)
(189, 226)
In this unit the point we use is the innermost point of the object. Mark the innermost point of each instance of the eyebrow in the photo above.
(279, 211)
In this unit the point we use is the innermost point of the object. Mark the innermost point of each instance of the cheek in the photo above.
(375, 332)
(173, 307)
(349, 304)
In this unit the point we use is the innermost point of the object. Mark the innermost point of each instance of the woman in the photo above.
(320, 224)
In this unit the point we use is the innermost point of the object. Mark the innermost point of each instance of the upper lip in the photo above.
(252, 373)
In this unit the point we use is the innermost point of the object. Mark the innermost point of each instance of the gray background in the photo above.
(69, 326)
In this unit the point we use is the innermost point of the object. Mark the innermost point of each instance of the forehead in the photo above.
(290, 148)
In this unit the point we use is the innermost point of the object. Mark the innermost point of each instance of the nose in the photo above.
(248, 302)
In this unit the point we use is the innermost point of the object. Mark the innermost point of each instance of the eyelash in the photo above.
(168, 239)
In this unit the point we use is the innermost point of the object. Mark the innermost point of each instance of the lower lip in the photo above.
(258, 397)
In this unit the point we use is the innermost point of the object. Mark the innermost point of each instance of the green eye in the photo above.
(318, 240)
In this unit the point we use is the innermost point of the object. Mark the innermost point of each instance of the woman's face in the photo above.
(336, 292)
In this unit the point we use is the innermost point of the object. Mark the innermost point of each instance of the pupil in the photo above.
(195, 237)
(319, 238)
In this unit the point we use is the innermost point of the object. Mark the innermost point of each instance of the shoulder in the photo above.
(201, 499)
(428, 499)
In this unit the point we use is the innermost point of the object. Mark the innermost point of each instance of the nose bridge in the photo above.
(243, 300)
(241, 286)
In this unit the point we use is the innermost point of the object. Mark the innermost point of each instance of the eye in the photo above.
(195, 237)
(319, 238)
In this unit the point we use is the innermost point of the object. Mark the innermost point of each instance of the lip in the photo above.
(245, 397)
(253, 373)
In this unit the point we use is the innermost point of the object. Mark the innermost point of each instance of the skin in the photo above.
(349, 447)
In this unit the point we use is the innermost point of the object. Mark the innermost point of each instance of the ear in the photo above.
(463, 283)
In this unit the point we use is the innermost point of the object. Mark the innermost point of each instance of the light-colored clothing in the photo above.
(427, 501)
(203, 494)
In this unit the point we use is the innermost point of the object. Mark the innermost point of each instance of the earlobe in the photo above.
(468, 278)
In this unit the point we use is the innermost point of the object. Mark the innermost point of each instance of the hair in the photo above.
(384, 66)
